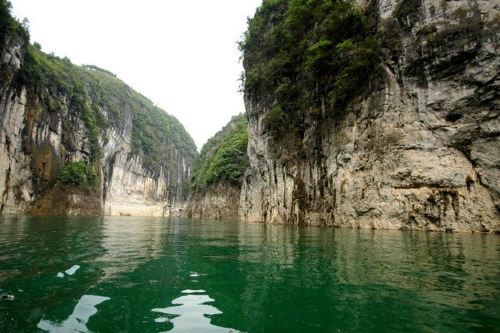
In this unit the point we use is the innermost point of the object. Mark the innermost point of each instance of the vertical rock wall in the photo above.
(420, 150)
(41, 131)
(217, 202)
(129, 189)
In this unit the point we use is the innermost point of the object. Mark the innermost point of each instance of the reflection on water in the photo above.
(190, 313)
(128, 243)
(251, 277)
(69, 271)
(358, 277)
(77, 321)
(72, 270)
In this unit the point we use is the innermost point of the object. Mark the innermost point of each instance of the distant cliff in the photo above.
(377, 114)
(77, 140)
(218, 172)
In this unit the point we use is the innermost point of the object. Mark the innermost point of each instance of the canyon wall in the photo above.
(217, 202)
(217, 173)
(418, 149)
(54, 115)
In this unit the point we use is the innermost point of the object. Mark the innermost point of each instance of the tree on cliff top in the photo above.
(306, 59)
(100, 99)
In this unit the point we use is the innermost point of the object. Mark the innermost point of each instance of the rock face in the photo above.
(130, 189)
(419, 150)
(43, 129)
(217, 173)
(217, 202)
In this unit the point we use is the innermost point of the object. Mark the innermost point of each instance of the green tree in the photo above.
(302, 56)
(78, 173)
(223, 158)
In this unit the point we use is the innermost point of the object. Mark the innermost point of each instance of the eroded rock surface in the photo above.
(42, 130)
(218, 202)
(418, 151)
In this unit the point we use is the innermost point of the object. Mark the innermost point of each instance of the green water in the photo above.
(156, 275)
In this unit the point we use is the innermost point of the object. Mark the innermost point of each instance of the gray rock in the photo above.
(415, 156)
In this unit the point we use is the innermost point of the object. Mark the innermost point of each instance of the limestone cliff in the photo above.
(217, 173)
(217, 202)
(59, 121)
(416, 148)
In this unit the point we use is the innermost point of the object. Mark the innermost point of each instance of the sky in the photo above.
(181, 54)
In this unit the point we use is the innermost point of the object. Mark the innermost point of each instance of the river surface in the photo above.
(128, 274)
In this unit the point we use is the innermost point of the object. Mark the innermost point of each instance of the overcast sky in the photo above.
(181, 54)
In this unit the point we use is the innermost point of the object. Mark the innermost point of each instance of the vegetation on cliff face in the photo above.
(224, 157)
(154, 132)
(99, 98)
(78, 173)
(305, 59)
(94, 92)
(10, 26)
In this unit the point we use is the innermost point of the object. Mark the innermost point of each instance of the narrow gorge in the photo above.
(339, 170)
(217, 173)
(370, 114)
